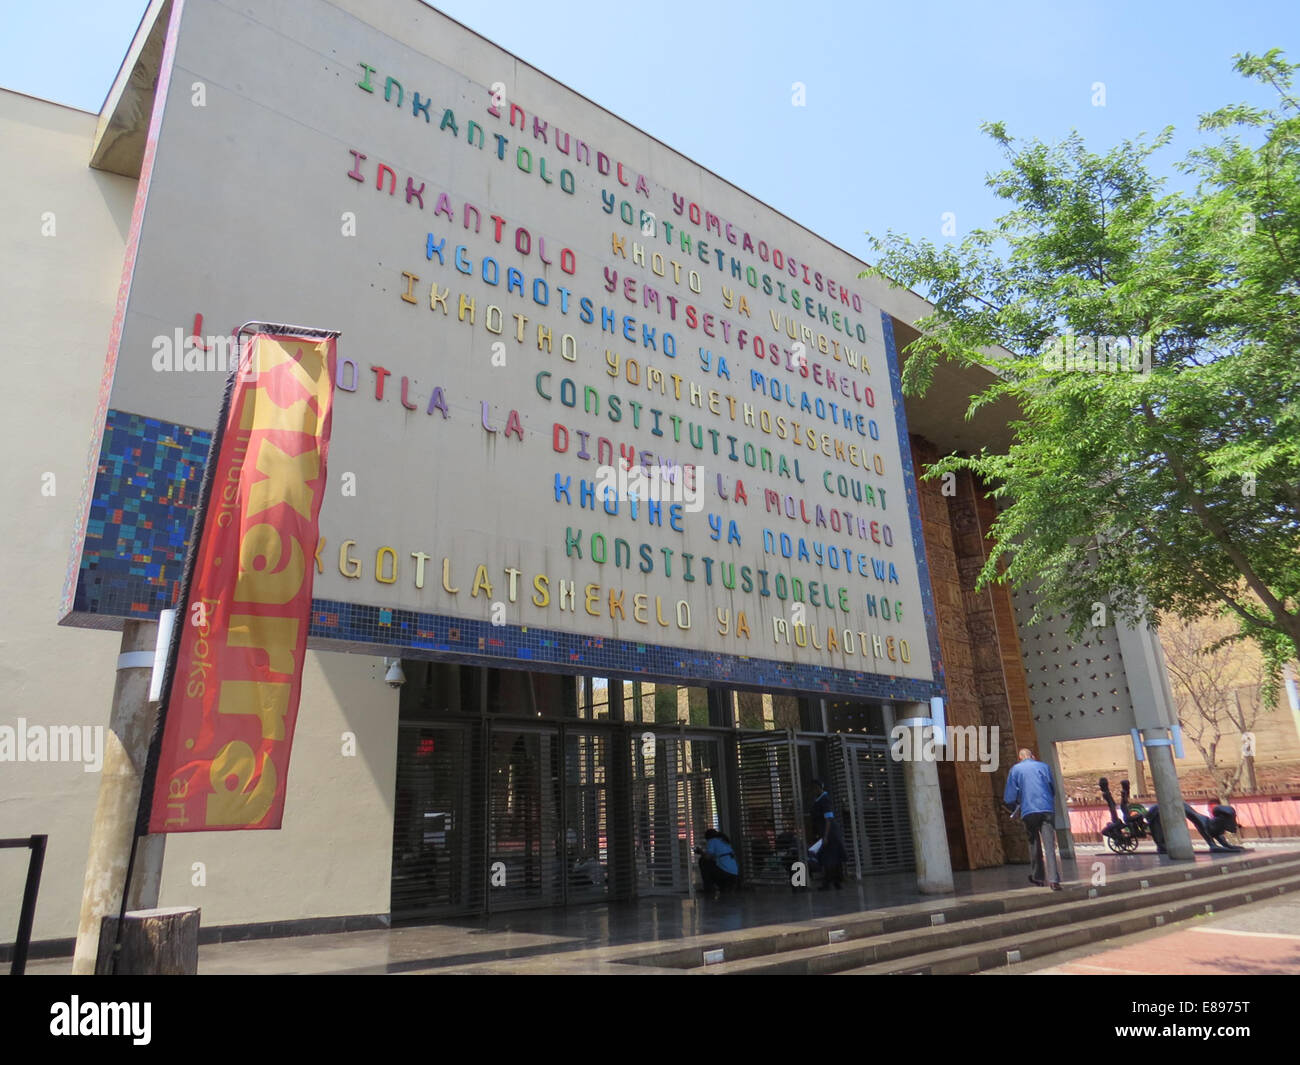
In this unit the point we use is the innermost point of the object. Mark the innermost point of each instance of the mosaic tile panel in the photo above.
(145, 490)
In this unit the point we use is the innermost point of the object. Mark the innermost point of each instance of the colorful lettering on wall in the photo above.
(812, 393)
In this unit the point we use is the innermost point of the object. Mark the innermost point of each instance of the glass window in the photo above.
(763, 710)
(437, 689)
(846, 715)
(753, 710)
(674, 705)
(599, 706)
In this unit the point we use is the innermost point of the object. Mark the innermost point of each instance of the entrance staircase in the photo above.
(984, 932)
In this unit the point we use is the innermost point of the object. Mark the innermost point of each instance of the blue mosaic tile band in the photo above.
(148, 483)
(351, 626)
(913, 506)
(146, 487)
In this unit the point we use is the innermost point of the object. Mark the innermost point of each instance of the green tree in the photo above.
(1173, 487)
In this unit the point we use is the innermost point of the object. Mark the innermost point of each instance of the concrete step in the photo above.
(883, 934)
(1091, 929)
(1059, 909)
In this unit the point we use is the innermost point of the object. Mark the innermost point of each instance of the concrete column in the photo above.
(925, 806)
(1169, 796)
(1064, 837)
(887, 717)
(1154, 713)
(126, 747)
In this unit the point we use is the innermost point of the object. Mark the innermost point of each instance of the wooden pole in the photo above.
(126, 749)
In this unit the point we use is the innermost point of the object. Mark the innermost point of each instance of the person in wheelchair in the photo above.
(1124, 832)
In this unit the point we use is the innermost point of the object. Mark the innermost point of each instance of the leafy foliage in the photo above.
(1175, 489)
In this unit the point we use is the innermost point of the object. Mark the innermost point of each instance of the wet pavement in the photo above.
(533, 940)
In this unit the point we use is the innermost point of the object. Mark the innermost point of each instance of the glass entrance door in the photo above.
(771, 806)
(548, 815)
(437, 822)
(525, 852)
(586, 814)
(677, 791)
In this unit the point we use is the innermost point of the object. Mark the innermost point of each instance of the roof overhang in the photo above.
(940, 415)
(123, 127)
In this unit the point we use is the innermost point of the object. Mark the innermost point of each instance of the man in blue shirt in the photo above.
(718, 865)
(1029, 786)
(826, 830)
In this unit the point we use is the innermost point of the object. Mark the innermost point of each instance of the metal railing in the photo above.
(25, 917)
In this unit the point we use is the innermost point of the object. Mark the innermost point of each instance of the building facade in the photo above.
(535, 299)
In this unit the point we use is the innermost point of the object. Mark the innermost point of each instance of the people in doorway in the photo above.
(1030, 787)
(828, 851)
(718, 865)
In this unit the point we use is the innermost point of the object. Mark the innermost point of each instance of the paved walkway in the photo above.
(535, 940)
(1262, 938)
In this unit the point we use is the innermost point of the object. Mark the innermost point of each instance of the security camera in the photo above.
(394, 678)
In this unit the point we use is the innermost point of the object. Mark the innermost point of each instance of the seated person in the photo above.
(718, 864)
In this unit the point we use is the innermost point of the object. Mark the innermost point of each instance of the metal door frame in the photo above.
(609, 731)
(560, 729)
(788, 740)
(680, 734)
(842, 751)
(525, 726)
(471, 826)
(857, 835)
(697, 734)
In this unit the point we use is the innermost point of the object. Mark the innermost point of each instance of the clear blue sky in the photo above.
(889, 137)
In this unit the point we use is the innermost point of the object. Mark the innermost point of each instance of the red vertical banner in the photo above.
(224, 756)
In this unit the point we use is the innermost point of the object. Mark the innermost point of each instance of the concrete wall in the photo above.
(333, 855)
(284, 82)
(1079, 688)
(59, 294)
